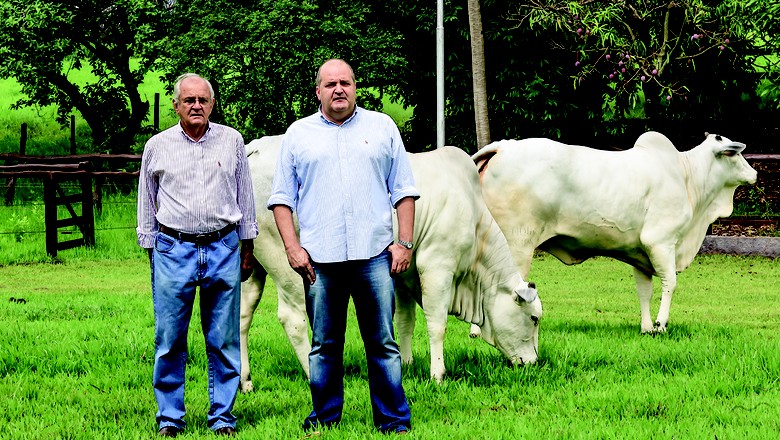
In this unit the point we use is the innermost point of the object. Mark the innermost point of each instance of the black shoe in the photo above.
(169, 431)
(226, 430)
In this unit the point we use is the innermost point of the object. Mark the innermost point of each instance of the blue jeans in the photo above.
(327, 300)
(177, 268)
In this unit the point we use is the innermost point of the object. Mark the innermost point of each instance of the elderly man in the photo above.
(195, 207)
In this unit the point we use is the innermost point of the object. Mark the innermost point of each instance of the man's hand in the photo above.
(300, 262)
(248, 260)
(402, 258)
(297, 256)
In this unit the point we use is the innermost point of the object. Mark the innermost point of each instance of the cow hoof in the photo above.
(247, 387)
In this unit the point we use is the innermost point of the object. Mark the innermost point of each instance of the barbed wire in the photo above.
(61, 233)
(106, 206)
(21, 205)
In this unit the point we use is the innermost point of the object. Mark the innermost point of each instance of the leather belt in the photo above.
(207, 238)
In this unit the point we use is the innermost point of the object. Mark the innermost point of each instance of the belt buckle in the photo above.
(202, 238)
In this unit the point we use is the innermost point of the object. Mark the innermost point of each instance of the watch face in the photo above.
(405, 244)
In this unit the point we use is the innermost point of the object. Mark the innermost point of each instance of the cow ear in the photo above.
(731, 149)
(526, 295)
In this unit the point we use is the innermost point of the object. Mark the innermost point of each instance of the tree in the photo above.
(663, 60)
(42, 42)
(481, 117)
(262, 55)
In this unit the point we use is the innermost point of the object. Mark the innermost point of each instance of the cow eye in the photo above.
(718, 138)
(535, 319)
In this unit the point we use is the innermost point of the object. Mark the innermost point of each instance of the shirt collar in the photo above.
(329, 122)
(202, 138)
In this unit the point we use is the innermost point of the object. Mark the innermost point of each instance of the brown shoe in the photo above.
(226, 430)
(169, 431)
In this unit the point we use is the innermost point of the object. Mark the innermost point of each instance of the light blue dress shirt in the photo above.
(343, 181)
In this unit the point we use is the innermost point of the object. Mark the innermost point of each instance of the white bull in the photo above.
(462, 266)
(649, 206)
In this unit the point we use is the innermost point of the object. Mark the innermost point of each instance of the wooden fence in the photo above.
(88, 171)
(55, 170)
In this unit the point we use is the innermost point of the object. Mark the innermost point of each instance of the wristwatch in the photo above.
(406, 244)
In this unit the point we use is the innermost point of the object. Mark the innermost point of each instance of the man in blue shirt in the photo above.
(344, 169)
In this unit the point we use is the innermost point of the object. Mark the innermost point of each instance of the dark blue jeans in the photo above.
(177, 268)
(371, 287)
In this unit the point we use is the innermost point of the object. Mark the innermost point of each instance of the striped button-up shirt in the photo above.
(195, 186)
(343, 181)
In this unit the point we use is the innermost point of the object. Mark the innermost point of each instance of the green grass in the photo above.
(23, 238)
(76, 361)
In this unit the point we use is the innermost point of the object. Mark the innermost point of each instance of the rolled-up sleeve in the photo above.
(400, 182)
(284, 189)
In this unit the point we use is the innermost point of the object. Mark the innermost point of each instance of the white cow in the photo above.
(649, 206)
(462, 266)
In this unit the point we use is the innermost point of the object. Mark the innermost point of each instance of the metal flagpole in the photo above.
(439, 73)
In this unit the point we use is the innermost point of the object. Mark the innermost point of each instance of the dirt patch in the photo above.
(740, 230)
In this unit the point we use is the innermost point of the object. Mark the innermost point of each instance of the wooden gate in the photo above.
(54, 196)
(57, 170)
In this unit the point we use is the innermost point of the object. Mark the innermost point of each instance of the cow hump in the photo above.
(654, 141)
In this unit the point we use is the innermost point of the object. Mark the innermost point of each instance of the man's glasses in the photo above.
(192, 101)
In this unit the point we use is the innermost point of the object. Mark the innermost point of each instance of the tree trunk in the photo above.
(478, 74)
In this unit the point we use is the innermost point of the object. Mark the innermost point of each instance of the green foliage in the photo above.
(42, 42)
(262, 55)
(46, 137)
(694, 62)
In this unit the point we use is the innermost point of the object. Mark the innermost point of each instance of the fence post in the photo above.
(97, 196)
(10, 187)
(10, 190)
(50, 214)
(72, 134)
(156, 112)
(23, 140)
(87, 215)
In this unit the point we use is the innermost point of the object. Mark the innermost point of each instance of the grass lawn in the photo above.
(76, 359)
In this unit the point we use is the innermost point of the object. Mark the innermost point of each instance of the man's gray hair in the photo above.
(182, 77)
